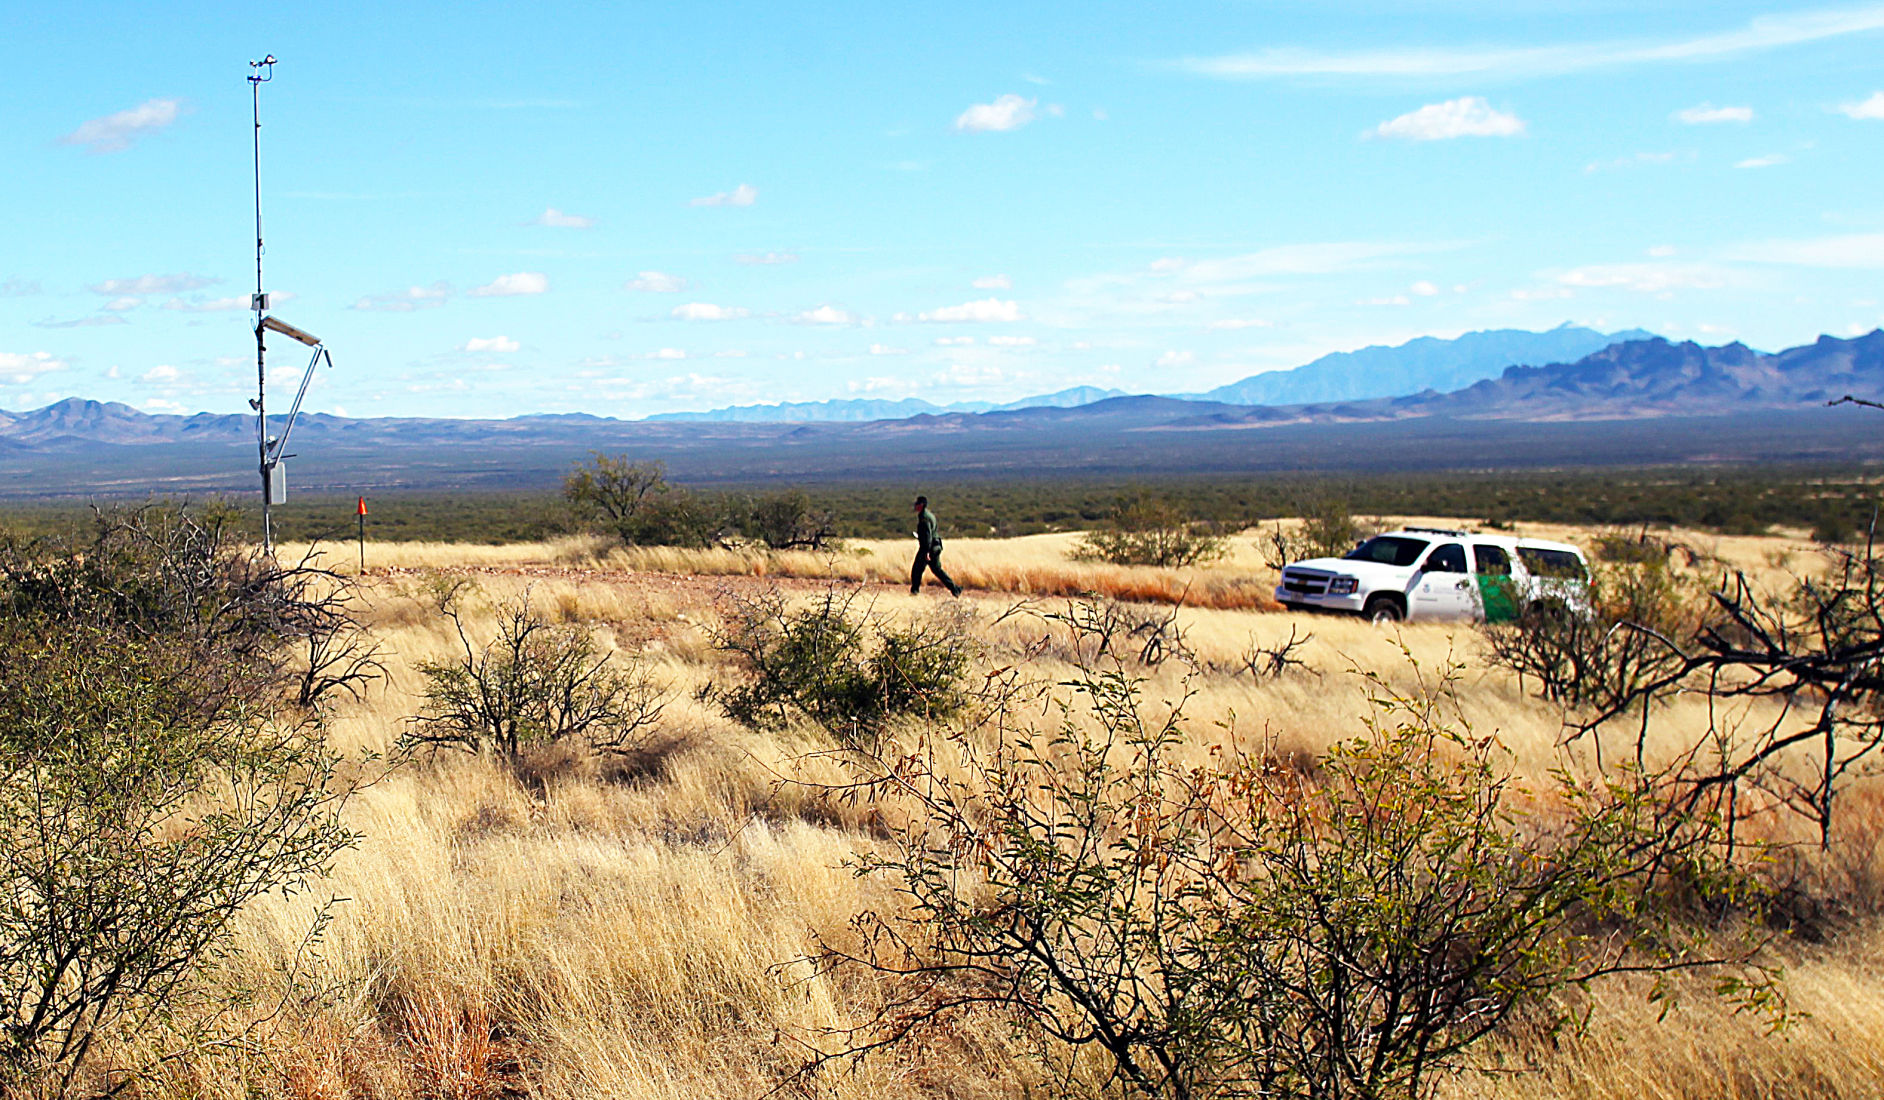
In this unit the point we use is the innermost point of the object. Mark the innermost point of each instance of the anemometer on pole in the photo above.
(272, 450)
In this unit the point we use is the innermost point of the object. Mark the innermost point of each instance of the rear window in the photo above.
(1390, 550)
(1552, 563)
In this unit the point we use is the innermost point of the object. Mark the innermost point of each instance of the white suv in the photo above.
(1437, 573)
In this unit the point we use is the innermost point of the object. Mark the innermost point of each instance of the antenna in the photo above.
(274, 482)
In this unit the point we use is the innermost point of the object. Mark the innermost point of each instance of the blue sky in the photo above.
(493, 209)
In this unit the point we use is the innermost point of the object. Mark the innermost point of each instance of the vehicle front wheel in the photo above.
(1382, 611)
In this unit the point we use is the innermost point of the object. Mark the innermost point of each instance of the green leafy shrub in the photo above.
(1141, 529)
(636, 502)
(844, 670)
(153, 782)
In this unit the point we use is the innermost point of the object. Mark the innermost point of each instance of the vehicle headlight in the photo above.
(1342, 586)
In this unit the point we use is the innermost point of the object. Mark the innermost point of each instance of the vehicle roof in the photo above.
(1432, 534)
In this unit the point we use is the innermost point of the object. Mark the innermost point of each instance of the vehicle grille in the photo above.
(1304, 584)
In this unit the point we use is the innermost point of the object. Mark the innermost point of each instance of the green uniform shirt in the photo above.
(925, 529)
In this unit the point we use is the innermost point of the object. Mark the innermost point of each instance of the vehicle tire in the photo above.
(1383, 611)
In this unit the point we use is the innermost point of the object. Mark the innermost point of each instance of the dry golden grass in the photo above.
(590, 931)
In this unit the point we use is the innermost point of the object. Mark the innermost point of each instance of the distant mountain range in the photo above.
(799, 412)
(1642, 401)
(1427, 363)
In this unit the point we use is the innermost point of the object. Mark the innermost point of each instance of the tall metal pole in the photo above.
(264, 72)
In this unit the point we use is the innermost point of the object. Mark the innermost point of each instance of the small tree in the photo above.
(1224, 924)
(635, 500)
(1141, 529)
(1327, 530)
(535, 682)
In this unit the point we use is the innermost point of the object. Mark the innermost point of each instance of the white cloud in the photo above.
(984, 309)
(116, 132)
(874, 385)
(1175, 359)
(1707, 112)
(954, 341)
(1012, 341)
(121, 305)
(1853, 250)
(1099, 114)
(1467, 116)
(1233, 324)
(501, 344)
(707, 311)
(19, 369)
(553, 218)
(1522, 62)
(153, 284)
(766, 258)
(1423, 289)
(163, 374)
(1647, 278)
(163, 405)
(657, 282)
(668, 353)
(885, 349)
(1390, 300)
(1864, 108)
(970, 374)
(223, 305)
(1767, 161)
(511, 286)
(1662, 251)
(1637, 160)
(743, 195)
(1542, 294)
(993, 282)
(407, 300)
(827, 315)
(18, 288)
(1009, 112)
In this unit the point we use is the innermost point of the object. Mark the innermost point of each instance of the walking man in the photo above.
(928, 551)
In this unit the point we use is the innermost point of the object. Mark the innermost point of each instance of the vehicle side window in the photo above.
(1447, 558)
(1492, 560)
(1557, 564)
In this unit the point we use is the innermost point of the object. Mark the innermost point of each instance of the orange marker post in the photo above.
(361, 513)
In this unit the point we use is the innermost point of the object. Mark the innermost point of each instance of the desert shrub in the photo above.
(1223, 924)
(1327, 530)
(787, 521)
(1611, 650)
(845, 670)
(153, 781)
(533, 682)
(1142, 529)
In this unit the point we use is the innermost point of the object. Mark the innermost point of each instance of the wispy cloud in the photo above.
(743, 195)
(764, 258)
(553, 218)
(1467, 116)
(115, 132)
(20, 368)
(96, 320)
(1521, 62)
(1844, 251)
(707, 311)
(993, 282)
(827, 315)
(1634, 160)
(1767, 161)
(18, 288)
(502, 345)
(985, 309)
(1008, 112)
(657, 282)
(511, 286)
(407, 300)
(1708, 113)
(1864, 108)
(1648, 278)
(153, 284)
(221, 305)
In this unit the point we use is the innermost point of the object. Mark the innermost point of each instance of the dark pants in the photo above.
(930, 557)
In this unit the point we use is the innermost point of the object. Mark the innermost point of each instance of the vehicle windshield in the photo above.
(1389, 550)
